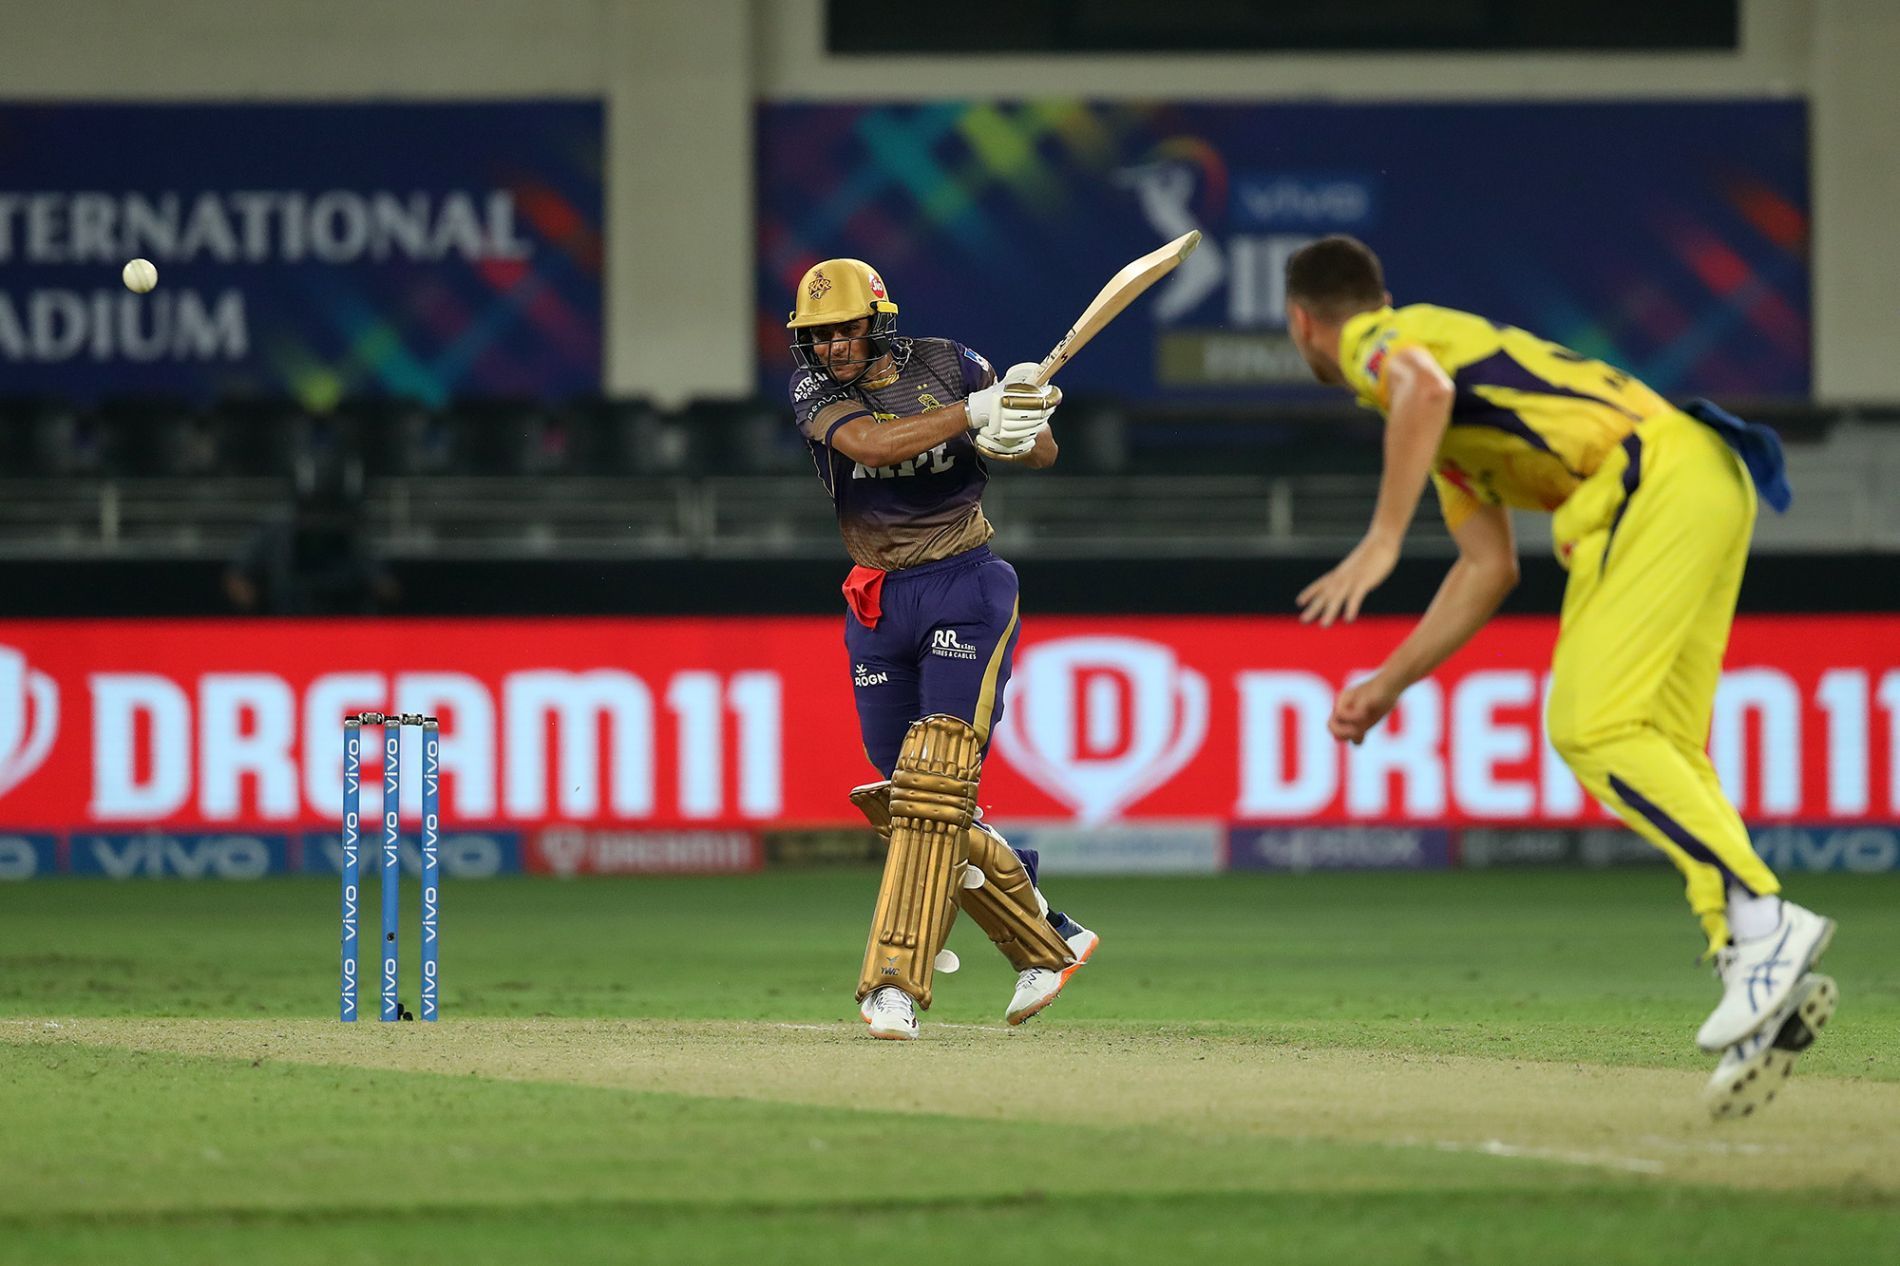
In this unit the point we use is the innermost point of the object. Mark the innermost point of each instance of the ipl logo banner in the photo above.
(1098, 722)
(938, 192)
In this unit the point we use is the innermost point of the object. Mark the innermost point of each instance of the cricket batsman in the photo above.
(901, 430)
(1652, 507)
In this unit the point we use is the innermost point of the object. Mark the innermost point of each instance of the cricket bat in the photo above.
(1122, 289)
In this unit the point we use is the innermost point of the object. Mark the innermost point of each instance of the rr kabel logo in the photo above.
(944, 642)
(29, 718)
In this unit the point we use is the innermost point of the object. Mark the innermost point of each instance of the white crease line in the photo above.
(844, 1026)
(1715, 1147)
(1498, 1147)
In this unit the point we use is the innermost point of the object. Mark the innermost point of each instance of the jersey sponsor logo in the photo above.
(927, 402)
(1376, 361)
(808, 386)
(861, 675)
(944, 642)
(978, 359)
(934, 462)
(1454, 474)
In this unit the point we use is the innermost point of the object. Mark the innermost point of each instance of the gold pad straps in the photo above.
(1005, 907)
(933, 800)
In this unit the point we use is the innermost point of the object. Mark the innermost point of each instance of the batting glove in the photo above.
(1006, 416)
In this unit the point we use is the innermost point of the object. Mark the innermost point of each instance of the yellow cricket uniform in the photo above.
(1651, 514)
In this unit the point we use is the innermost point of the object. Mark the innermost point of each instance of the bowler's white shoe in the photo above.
(1753, 1070)
(1758, 976)
(890, 1013)
(1037, 987)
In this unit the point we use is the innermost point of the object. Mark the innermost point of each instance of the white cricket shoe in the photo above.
(1759, 976)
(891, 1014)
(1037, 987)
(1753, 1070)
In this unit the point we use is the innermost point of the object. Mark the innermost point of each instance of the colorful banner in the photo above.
(1669, 238)
(665, 744)
(401, 249)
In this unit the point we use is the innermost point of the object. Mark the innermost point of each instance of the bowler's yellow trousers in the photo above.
(1656, 541)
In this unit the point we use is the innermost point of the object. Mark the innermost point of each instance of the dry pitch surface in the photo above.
(1828, 1133)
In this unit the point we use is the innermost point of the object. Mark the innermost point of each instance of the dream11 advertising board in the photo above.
(629, 745)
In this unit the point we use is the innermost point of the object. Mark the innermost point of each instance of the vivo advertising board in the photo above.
(421, 250)
(666, 744)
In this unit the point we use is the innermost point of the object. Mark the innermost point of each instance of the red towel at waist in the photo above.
(864, 594)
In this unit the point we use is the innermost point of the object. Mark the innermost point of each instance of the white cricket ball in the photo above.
(140, 275)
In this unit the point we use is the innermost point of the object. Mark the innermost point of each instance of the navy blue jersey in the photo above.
(919, 510)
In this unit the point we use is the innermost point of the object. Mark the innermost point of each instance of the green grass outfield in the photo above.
(1466, 1067)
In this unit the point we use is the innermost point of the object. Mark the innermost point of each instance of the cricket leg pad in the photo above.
(1006, 908)
(932, 803)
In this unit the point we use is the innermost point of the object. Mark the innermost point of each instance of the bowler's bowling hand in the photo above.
(1338, 593)
(1359, 708)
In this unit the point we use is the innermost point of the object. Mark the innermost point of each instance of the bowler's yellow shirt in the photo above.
(1531, 419)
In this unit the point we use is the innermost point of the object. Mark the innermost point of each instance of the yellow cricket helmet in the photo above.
(834, 291)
